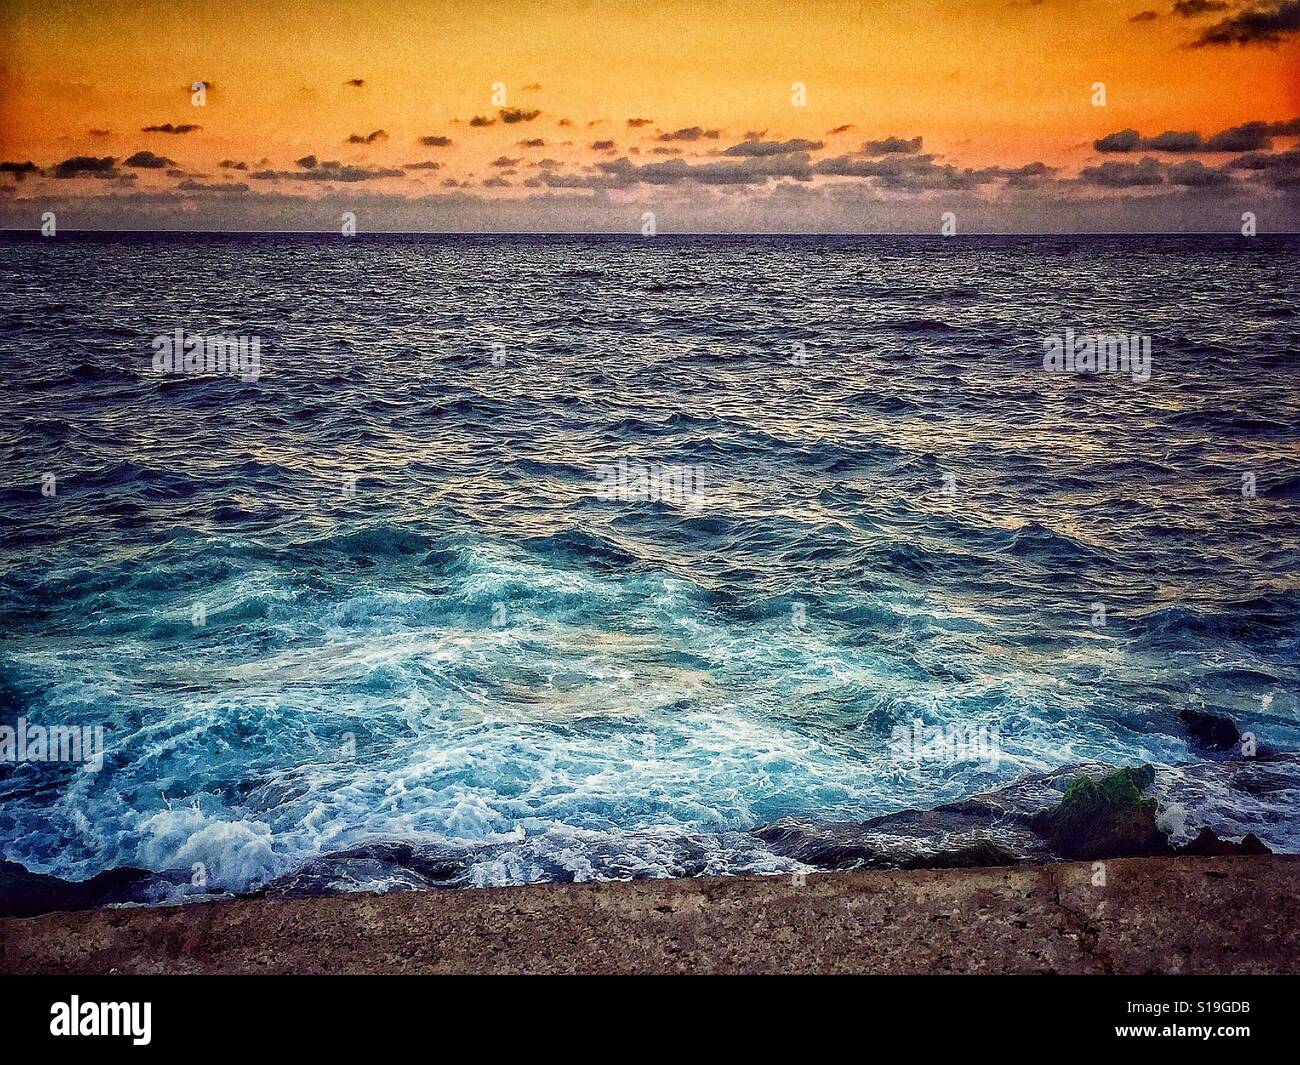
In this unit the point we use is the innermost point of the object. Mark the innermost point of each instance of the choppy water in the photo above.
(576, 686)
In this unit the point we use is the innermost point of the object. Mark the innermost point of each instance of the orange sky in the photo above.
(985, 82)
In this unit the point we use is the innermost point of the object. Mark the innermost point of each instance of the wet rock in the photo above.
(25, 894)
(1209, 731)
(1105, 818)
(1207, 844)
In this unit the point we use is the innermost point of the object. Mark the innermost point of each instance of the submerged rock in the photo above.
(1209, 731)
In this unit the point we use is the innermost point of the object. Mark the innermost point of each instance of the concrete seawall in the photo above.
(1152, 915)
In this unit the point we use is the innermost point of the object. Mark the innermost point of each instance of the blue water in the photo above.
(475, 648)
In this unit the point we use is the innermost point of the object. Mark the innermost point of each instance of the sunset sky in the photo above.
(616, 107)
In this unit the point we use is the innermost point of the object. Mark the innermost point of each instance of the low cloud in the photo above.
(512, 115)
(759, 148)
(167, 127)
(637, 123)
(19, 170)
(1266, 24)
(1195, 174)
(146, 160)
(436, 141)
(892, 146)
(1248, 137)
(1197, 8)
(690, 133)
(86, 166)
(479, 121)
(1124, 175)
(313, 169)
(367, 138)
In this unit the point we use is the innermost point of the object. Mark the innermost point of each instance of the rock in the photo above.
(944, 838)
(1208, 731)
(1105, 818)
(25, 894)
(1207, 844)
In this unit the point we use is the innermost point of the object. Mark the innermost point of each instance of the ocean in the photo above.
(572, 557)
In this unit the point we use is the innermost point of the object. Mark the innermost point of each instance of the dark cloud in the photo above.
(436, 141)
(1126, 140)
(87, 166)
(356, 83)
(637, 123)
(505, 160)
(208, 86)
(1195, 174)
(892, 146)
(918, 173)
(665, 151)
(1123, 175)
(690, 133)
(1248, 137)
(840, 129)
(1032, 175)
(145, 160)
(511, 115)
(480, 121)
(1197, 8)
(167, 127)
(533, 87)
(367, 138)
(1145, 16)
(19, 170)
(532, 142)
(101, 132)
(496, 183)
(623, 173)
(1266, 23)
(232, 164)
(602, 146)
(428, 164)
(1267, 160)
(756, 148)
(313, 169)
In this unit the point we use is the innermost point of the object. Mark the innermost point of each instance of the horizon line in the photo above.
(686, 233)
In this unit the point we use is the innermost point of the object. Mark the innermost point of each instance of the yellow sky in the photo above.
(984, 81)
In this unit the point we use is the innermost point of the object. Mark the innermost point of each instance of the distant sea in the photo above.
(582, 557)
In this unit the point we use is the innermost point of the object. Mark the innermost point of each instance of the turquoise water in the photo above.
(424, 621)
